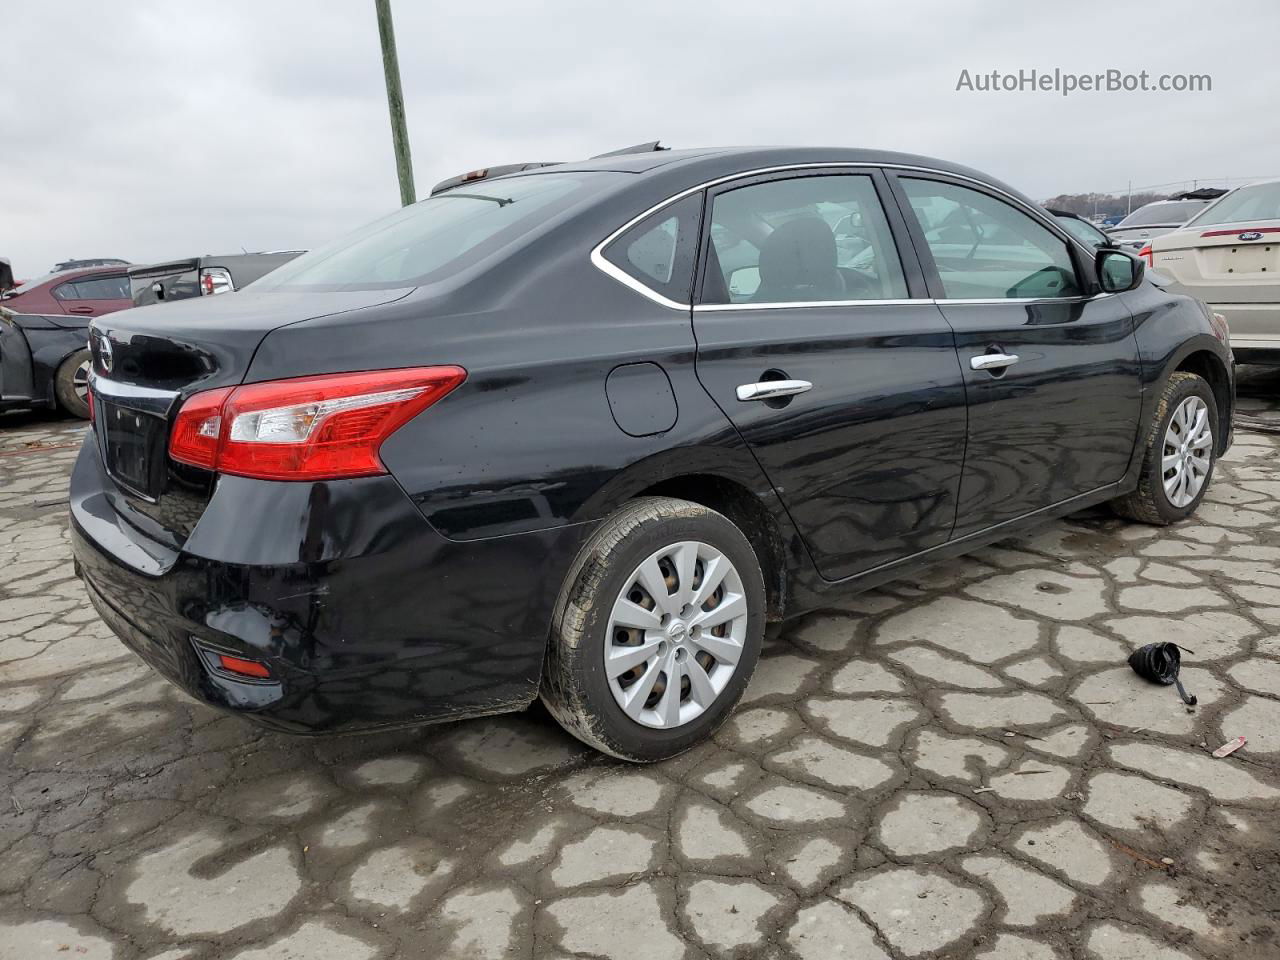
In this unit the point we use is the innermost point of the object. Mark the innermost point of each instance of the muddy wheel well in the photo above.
(1209, 368)
(750, 516)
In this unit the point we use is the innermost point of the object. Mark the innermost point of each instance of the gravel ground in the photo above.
(957, 765)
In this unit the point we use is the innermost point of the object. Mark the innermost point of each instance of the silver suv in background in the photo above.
(1154, 220)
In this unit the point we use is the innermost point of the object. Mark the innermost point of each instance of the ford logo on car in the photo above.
(1251, 235)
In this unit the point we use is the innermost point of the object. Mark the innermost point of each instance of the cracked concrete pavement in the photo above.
(957, 765)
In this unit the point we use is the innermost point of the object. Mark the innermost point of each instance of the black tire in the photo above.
(1149, 503)
(574, 685)
(64, 385)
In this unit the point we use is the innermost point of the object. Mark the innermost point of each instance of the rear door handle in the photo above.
(992, 361)
(80, 309)
(771, 389)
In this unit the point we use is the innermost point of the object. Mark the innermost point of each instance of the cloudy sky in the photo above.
(155, 129)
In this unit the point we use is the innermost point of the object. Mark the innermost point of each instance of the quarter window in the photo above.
(802, 240)
(659, 251)
(986, 249)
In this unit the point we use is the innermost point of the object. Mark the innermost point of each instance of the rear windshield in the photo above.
(1259, 202)
(32, 284)
(436, 237)
(1154, 213)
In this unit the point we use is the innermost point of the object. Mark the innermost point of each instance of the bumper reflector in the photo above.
(245, 668)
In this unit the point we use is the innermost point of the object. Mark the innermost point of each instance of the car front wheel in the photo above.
(1180, 452)
(657, 630)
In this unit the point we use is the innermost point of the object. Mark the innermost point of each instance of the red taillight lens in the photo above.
(198, 429)
(88, 395)
(1145, 254)
(246, 668)
(309, 428)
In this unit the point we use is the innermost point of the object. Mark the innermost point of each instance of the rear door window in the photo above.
(659, 252)
(94, 288)
(984, 248)
(802, 240)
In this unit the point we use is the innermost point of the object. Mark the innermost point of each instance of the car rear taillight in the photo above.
(1236, 231)
(1145, 254)
(309, 428)
(1221, 329)
(215, 280)
(198, 429)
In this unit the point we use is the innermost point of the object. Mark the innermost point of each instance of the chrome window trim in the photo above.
(945, 301)
(939, 301)
(715, 307)
(627, 280)
(609, 269)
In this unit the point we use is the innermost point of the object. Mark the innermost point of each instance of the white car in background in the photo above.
(1153, 220)
(1229, 257)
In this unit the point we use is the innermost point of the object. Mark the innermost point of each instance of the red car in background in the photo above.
(44, 336)
(88, 292)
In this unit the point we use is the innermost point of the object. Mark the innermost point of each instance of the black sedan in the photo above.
(44, 362)
(579, 431)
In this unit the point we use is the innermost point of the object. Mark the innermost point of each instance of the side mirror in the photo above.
(1118, 271)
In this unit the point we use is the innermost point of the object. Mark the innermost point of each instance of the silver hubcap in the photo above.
(675, 634)
(1188, 452)
(80, 381)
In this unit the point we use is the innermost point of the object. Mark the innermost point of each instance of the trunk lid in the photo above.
(1139, 236)
(148, 360)
(1239, 263)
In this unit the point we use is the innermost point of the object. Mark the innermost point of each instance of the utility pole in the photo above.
(1128, 207)
(395, 102)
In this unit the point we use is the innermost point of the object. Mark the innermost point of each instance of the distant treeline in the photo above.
(1102, 204)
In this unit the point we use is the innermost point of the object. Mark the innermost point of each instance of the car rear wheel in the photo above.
(1180, 453)
(71, 384)
(657, 630)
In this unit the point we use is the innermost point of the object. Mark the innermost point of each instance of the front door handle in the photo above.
(772, 389)
(992, 361)
(80, 310)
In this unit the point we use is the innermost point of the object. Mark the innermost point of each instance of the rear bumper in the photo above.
(1253, 325)
(365, 616)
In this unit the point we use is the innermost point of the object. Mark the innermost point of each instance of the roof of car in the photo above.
(643, 162)
(724, 161)
(84, 262)
(1257, 183)
(69, 274)
(633, 162)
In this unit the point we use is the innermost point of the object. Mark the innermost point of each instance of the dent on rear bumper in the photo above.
(366, 616)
